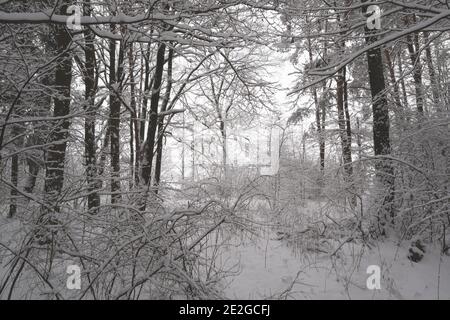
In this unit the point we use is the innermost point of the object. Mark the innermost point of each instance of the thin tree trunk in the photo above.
(33, 171)
(412, 42)
(348, 124)
(89, 122)
(443, 77)
(165, 102)
(359, 168)
(432, 73)
(318, 124)
(399, 108)
(402, 84)
(343, 113)
(14, 180)
(132, 154)
(343, 133)
(154, 101)
(322, 132)
(358, 139)
(223, 133)
(114, 117)
(183, 151)
(134, 133)
(321, 139)
(322, 107)
(143, 116)
(348, 133)
(103, 156)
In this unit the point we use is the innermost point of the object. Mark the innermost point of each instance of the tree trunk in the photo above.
(321, 139)
(165, 102)
(381, 126)
(443, 73)
(154, 101)
(56, 154)
(143, 114)
(432, 73)
(134, 126)
(348, 124)
(114, 117)
(399, 108)
(33, 171)
(90, 115)
(414, 55)
(343, 133)
(223, 133)
(14, 180)
(16, 132)
(403, 86)
(318, 124)
(322, 133)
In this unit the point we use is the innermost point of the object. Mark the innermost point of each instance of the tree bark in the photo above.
(399, 108)
(33, 171)
(343, 131)
(165, 102)
(90, 115)
(412, 42)
(318, 121)
(143, 114)
(56, 154)
(381, 127)
(14, 180)
(402, 84)
(134, 126)
(114, 117)
(432, 73)
(154, 101)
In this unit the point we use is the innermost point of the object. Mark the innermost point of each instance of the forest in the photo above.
(224, 149)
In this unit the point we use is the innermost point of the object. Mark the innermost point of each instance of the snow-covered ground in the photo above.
(271, 269)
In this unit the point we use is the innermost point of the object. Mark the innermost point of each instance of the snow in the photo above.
(268, 268)
(49, 16)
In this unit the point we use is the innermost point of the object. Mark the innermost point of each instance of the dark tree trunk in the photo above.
(402, 84)
(114, 117)
(89, 122)
(148, 83)
(33, 171)
(381, 126)
(343, 133)
(342, 108)
(154, 101)
(348, 124)
(14, 180)
(348, 142)
(223, 133)
(16, 131)
(56, 154)
(318, 121)
(322, 133)
(134, 136)
(103, 156)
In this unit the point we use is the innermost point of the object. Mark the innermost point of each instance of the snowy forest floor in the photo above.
(272, 267)
(277, 260)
